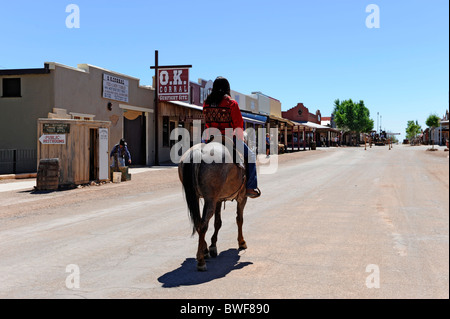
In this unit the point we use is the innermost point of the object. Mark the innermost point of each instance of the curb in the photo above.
(18, 176)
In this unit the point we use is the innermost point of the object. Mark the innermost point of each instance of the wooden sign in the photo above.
(53, 139)
(56, 128)
(115, 88)
(173, 84)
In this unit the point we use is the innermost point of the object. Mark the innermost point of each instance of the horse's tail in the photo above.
(190, 184)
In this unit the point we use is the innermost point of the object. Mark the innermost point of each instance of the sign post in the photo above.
(171, 84)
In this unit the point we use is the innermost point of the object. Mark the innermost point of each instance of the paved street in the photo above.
(324, 218)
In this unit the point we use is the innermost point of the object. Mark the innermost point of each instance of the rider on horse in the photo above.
(222, 112)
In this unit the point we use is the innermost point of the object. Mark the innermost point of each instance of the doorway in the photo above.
(135, 136)
(93, 154)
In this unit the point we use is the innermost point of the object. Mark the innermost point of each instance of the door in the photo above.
(134, 134)
(103, 155)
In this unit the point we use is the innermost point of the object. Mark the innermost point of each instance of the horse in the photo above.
(216, 182)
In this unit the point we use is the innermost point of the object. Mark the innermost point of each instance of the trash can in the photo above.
(313, 146)
(126, 176)
(117, 177)
(48, 174)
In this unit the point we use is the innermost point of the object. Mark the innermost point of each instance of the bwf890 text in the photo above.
(247, 308)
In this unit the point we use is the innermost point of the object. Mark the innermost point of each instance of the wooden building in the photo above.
(80, 145)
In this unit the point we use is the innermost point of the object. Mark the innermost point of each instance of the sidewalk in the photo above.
(10, 183)
(14, 186)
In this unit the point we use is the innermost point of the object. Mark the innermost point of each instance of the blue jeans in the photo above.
(250, 156)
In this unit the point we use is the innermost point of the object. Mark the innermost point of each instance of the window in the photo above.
(172, 127)
(11, 87)
(166, 133)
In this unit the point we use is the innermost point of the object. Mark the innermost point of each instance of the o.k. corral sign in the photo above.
(173, 84)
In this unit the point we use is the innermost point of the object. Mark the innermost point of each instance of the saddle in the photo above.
(238, 157)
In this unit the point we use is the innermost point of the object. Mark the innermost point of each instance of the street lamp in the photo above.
(378, 118)
(380, 123)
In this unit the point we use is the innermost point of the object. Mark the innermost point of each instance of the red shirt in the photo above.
(226, 115)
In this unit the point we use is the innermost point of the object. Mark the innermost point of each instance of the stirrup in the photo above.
(255, 195)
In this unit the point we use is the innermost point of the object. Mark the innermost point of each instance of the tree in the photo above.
(412, 129)
(432, 122)
(352, 117)
(364, 122)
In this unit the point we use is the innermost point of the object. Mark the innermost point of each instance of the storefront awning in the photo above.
(316, 126)
(184, 104)
(254, 118)
(282, 120)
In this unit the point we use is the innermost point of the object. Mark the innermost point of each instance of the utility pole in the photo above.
(380, 123)
(156, 111)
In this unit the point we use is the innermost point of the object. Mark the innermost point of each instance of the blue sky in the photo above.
(295, 51)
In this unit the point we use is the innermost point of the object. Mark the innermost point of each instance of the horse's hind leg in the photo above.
(202, 251)
(217, 226)
(240, 221)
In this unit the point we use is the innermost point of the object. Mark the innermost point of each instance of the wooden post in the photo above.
(304, 138)
(292, 140)
(156, 110)
(365, 142)
(285, 137)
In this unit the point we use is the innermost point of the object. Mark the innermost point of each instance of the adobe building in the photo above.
(301, 114)
(83, 92)
(313, 130)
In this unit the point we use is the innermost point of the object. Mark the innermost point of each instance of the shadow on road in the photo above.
(187, 274)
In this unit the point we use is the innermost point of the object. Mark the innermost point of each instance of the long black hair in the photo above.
(221, 87)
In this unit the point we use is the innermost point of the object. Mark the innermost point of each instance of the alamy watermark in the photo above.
(73, 279)
(373, 280)
(255, 140)
(373, 19)
(73, 19)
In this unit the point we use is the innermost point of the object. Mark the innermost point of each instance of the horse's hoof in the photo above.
(201, 267)
(207, 255)
(242, 246)
(213, 251)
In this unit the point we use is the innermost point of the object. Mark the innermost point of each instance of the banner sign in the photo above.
(115, 88)
(173, 84)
